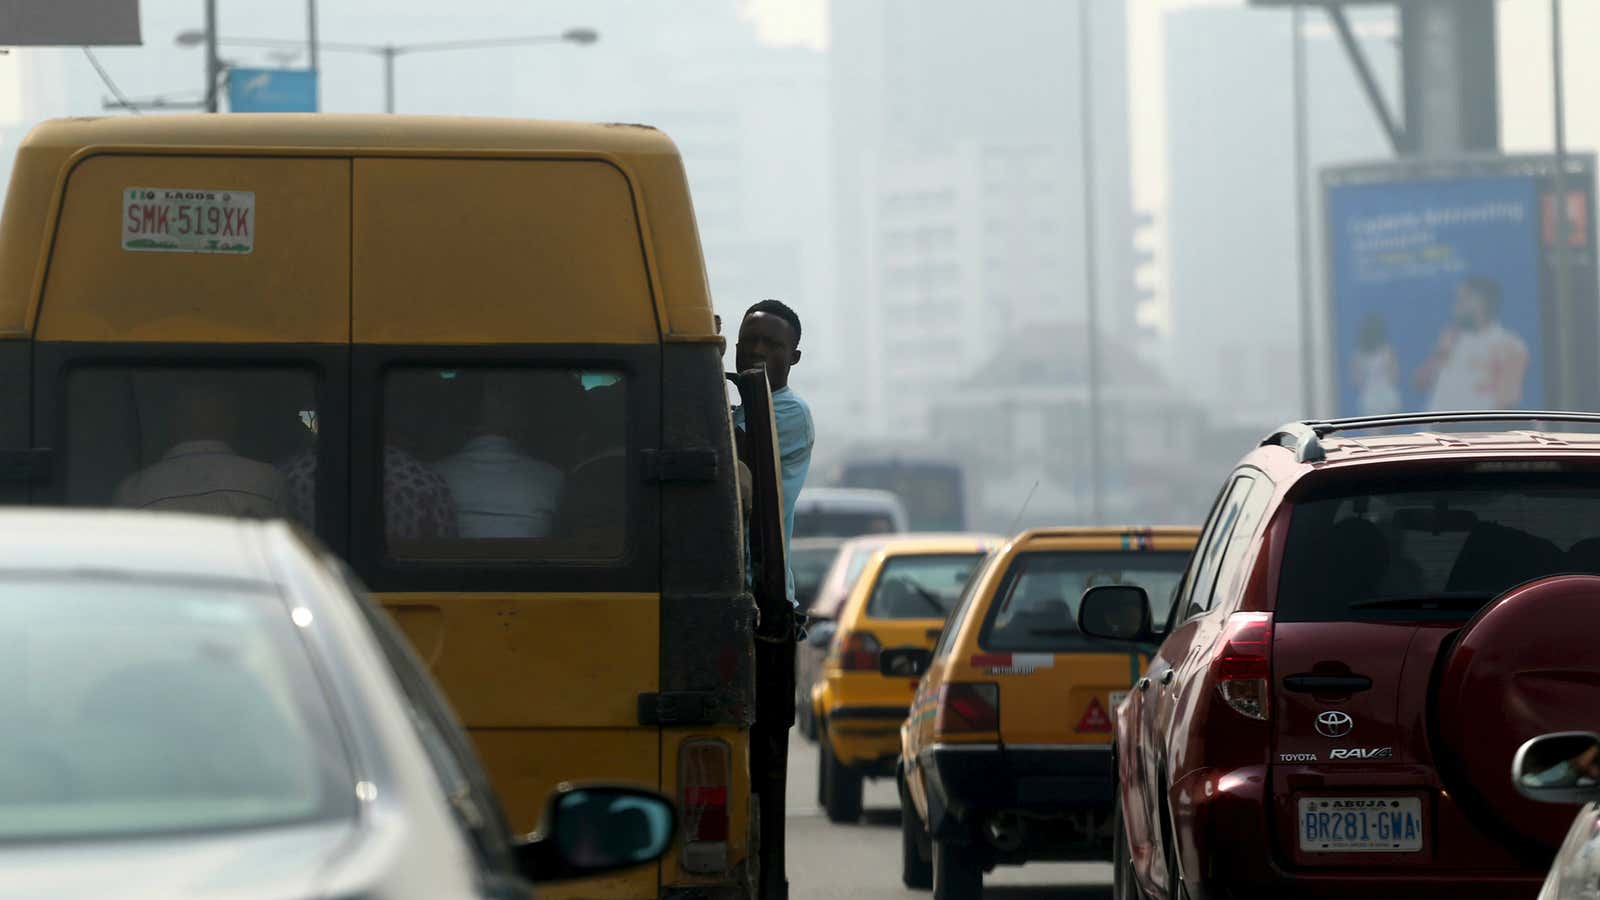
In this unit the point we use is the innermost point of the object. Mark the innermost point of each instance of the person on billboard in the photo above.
(1376, 369)
(1478, 363)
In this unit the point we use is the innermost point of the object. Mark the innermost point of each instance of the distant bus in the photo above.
(934, 493)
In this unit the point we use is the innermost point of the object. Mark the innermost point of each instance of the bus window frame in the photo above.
(328, 364)
(637, 570)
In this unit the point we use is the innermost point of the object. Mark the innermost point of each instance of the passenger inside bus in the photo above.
(201, 472)
(500, 490)
(416, 500)
(534, 459)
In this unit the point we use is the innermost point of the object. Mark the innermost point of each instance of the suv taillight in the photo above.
(968, 708)
(859, 651)
(1244, 668)
(703, 775)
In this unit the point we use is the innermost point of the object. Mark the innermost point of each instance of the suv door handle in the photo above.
(1327, 684)
(1166, 677)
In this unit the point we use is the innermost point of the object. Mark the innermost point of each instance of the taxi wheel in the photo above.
(806, 720)
(916, 869)
(841, 788)
(822, 770)
(957, 872)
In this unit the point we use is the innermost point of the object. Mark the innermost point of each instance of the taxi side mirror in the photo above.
(597, 829)
(1118, 612)
(1563, 767)
(904, 662)
(820, 634)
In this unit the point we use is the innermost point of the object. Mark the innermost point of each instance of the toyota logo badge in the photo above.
(1334, 724)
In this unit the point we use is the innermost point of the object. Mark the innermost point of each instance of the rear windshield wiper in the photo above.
(930, 598)
(1426, 601)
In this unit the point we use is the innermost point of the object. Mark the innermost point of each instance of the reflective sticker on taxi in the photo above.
(1094, 719)
(1012, 663)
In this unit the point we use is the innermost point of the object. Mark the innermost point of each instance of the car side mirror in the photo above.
(820, 634)
(904, 662)
(597, 829)
(1118, 612)
(1563, 767)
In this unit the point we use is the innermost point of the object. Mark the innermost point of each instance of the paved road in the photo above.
(862, 862)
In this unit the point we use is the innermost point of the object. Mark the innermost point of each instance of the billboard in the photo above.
(272, 90)
(1442, 284)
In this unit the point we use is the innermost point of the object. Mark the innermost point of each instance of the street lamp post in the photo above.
(390, 52)
(1572, 393)
(1302, 224)
(213, 67)
(311, 45)
(1091, 284)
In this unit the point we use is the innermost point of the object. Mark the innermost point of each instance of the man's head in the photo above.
(503, 406)
(769, 336)
(1477, 302)
(203, 409)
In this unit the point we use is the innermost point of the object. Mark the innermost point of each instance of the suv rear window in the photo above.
(1435, 547)
(1037, 609)
(924, 586)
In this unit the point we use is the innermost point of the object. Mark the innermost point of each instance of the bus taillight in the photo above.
(703, 783)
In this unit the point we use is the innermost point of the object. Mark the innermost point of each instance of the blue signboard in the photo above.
(1436, 293)
(272, 90)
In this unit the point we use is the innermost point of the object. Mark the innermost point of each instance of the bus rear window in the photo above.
(506, 464)
(233, 441)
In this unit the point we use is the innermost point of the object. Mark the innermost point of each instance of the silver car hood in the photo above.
(276, 864)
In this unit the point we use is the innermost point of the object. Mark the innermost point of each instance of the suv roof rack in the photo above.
(1305, 438)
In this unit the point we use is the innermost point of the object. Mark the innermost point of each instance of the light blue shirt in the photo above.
(796, 436)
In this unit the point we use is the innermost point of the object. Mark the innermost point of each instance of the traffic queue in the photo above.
(1370, 673)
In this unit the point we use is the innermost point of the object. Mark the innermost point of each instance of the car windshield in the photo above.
(142, 707)
(923, 586)
(1434, 548)
(810, 564)
(1038, 606)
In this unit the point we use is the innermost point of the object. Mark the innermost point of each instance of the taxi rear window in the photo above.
(925, 586)
(1037, 603)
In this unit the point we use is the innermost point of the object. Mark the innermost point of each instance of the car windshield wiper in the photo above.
(930, 598)
(1426, 601)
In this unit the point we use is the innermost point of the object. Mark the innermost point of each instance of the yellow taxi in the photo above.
(1005, 756)
(900, 601)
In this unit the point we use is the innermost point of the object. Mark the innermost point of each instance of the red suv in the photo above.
(1368, 630)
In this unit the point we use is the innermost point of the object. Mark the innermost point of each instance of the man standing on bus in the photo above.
(770, 337)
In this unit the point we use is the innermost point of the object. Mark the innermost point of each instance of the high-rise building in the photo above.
(1230, 217)
(950, 115)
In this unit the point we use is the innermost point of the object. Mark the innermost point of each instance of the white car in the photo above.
(847, 512)
(209, 707)
(1564, 768)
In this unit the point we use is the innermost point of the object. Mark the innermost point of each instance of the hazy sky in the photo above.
(1527, 121)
